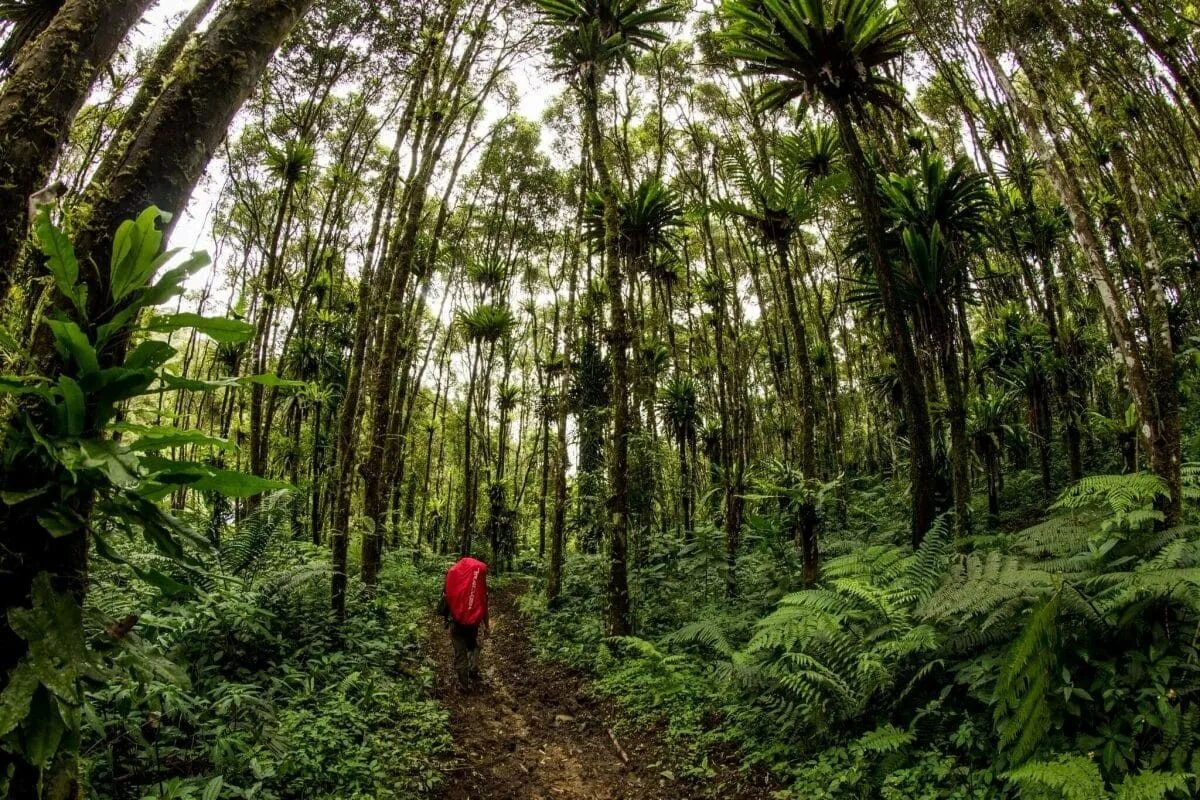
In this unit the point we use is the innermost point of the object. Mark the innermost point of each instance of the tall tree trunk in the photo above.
(348, 415)
(921, 466)
(153, 80)
(562, 459)
(960, 448)
(260, 433)
(618, 336)
(40, 100)
(807, 395)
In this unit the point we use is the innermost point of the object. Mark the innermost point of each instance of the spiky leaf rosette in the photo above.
(827, 49)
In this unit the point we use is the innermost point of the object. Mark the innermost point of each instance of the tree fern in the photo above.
(1079, 778)
(1152, 786)
(1059, 536)
(1128, 498)
(830, 652)
(706, 633)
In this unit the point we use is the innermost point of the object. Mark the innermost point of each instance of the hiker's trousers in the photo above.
(466, 651)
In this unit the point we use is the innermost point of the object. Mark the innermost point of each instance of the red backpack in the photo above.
(466, 591)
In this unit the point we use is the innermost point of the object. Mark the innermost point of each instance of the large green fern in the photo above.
(243, 553)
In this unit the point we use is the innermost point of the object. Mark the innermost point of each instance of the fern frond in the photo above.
(706, 633)
(884, 739)
(1151, 786)
(243, 552)
(1022, 716)
(1070, 777)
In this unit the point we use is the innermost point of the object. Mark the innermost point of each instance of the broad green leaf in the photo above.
(165, 584)
(59, 523)
(221, 329)
(237, 484)
(53, 627)
(117, 384)
(72, 344)
(16, 498)
(212, 789)
(170, 283)
(135, 253)
(60, 258)
(76, 406)
(160, 438)
(178, 383)
(16, 697)
(44, 729)
(119, 466)
(16, 385)
(205, 478)
(150, 354)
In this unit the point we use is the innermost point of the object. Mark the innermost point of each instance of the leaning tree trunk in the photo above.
(152, 85)
(40, 100)
(161, 167)
(618, 522)
(921, 469)
(1151, 380)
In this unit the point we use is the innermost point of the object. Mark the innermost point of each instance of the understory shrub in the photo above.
(1059, 661)
(252, 690)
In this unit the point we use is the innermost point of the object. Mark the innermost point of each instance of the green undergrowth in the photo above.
(1056, 661)
(253, 689)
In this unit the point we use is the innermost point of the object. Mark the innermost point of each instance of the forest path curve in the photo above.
(532, 731)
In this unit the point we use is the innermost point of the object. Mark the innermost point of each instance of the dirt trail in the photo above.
(532, 731)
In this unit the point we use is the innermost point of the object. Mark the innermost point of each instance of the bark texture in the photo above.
(40, 100)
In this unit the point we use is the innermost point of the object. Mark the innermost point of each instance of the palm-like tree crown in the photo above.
(487, 322)
(597, 33)
(776, 199)
(680, 405)
(489, 272)
(650, 219)
(831, 49)
(292, 161)
(934, 215)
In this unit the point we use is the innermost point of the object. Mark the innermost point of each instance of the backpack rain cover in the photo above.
(466, 591)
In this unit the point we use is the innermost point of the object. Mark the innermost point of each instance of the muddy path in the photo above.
(532, 731)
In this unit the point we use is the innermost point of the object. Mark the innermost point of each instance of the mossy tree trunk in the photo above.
(40, 100)
(161, 166)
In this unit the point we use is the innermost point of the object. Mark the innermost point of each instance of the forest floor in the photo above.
(534, 731)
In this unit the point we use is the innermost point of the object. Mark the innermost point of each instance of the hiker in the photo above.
(464, 607)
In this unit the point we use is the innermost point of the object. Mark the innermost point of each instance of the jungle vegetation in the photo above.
(828, 369)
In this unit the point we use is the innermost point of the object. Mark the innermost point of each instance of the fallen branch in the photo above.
(620, 750)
